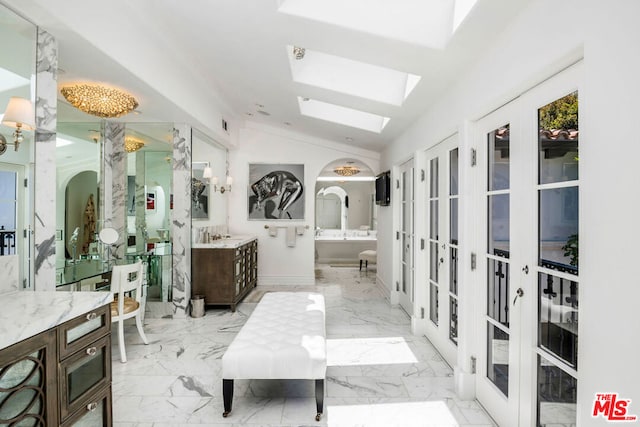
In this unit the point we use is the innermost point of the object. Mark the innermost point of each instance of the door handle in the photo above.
(519, 294)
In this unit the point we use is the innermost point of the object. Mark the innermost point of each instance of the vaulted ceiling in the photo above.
(369, 67)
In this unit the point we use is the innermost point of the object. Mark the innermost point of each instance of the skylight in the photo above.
(428, 23)
(351, 77)
(342, 115)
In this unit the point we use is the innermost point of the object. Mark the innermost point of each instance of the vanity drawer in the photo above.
(83, 330)
(82, 374)
(95, 413)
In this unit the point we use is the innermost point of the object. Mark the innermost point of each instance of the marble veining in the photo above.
(114, 185)
(10, 273)
(30, 313)
(45, 170)
(176, 379)
(181, 219)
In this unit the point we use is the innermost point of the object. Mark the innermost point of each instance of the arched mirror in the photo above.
(17, 69)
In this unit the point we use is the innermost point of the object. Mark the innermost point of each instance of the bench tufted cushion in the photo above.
(284, 338)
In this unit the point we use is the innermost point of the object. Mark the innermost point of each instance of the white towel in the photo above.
(273, 231)
(300, 230)
(291, 236)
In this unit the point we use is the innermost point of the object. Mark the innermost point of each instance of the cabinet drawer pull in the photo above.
(91, 316)
(91, 351)
(92, 406)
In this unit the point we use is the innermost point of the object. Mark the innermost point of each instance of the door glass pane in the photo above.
(453, 319)
(404, 186)
(499, 158)
(558, 140)
(498, 291)
(556, 395)
(498, 357)
(558, 238)
(453, 172)
(433, 261)
(433, 219)
(433, 303)
(7, 203)
(433, 188)
(558, 317)
(453, 270)
(499, 225)
(453, 221)
(405, 276)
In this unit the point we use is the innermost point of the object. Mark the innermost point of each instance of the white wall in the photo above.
(277, 263)
(546, 37)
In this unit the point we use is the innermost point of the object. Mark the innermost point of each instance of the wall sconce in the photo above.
(207, 173)
(19, 115)
(222, 189)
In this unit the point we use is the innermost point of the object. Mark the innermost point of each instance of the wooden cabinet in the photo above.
(224, 276)
(61, 376)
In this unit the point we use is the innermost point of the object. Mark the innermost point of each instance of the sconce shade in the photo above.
(207, 173)
(98, 100)
(19, 113)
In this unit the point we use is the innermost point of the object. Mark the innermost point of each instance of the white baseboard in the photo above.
(384, 289)
(286, 280)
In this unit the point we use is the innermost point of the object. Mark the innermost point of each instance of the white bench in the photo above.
(284, 338)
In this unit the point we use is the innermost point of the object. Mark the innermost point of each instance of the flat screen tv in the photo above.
(383, 189)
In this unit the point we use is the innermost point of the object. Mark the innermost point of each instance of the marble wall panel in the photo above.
(113, 185)
(181, 219)
(10, 267)
(44, 184)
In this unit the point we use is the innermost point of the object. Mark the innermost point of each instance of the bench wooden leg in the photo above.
(319, 398)
(227, 396)
(360, 265)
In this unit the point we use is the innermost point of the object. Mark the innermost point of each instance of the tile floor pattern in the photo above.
(378, 373)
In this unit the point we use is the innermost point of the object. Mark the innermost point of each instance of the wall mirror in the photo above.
(149, 203)
(345, 197)
(78, 147)
(209, 204)
(17, 69)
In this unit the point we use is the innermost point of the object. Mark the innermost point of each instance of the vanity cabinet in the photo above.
(224, 275)
(61, 376)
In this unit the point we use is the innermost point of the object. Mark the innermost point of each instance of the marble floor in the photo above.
(378, 374)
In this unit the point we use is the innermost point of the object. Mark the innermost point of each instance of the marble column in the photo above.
(44, 184)
(113, 184)
(181, 219)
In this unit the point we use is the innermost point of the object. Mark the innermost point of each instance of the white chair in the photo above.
(124, 280)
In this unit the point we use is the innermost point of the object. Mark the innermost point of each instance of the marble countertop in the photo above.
(25, 313)
(229, 243)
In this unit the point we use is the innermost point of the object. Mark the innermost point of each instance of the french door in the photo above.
(442, 247)
(406, 236)
(12, 218)
(528, 256)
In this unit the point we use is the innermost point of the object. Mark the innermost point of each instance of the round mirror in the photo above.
(108, 236)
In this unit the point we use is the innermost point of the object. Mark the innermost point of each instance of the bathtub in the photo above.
(337, 246)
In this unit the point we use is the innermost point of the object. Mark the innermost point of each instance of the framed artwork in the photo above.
(151, 200)
(199, 191)
(276, 191)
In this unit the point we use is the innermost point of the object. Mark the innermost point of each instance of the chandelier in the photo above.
(131, 144)
(346, 170)
(98, 100)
